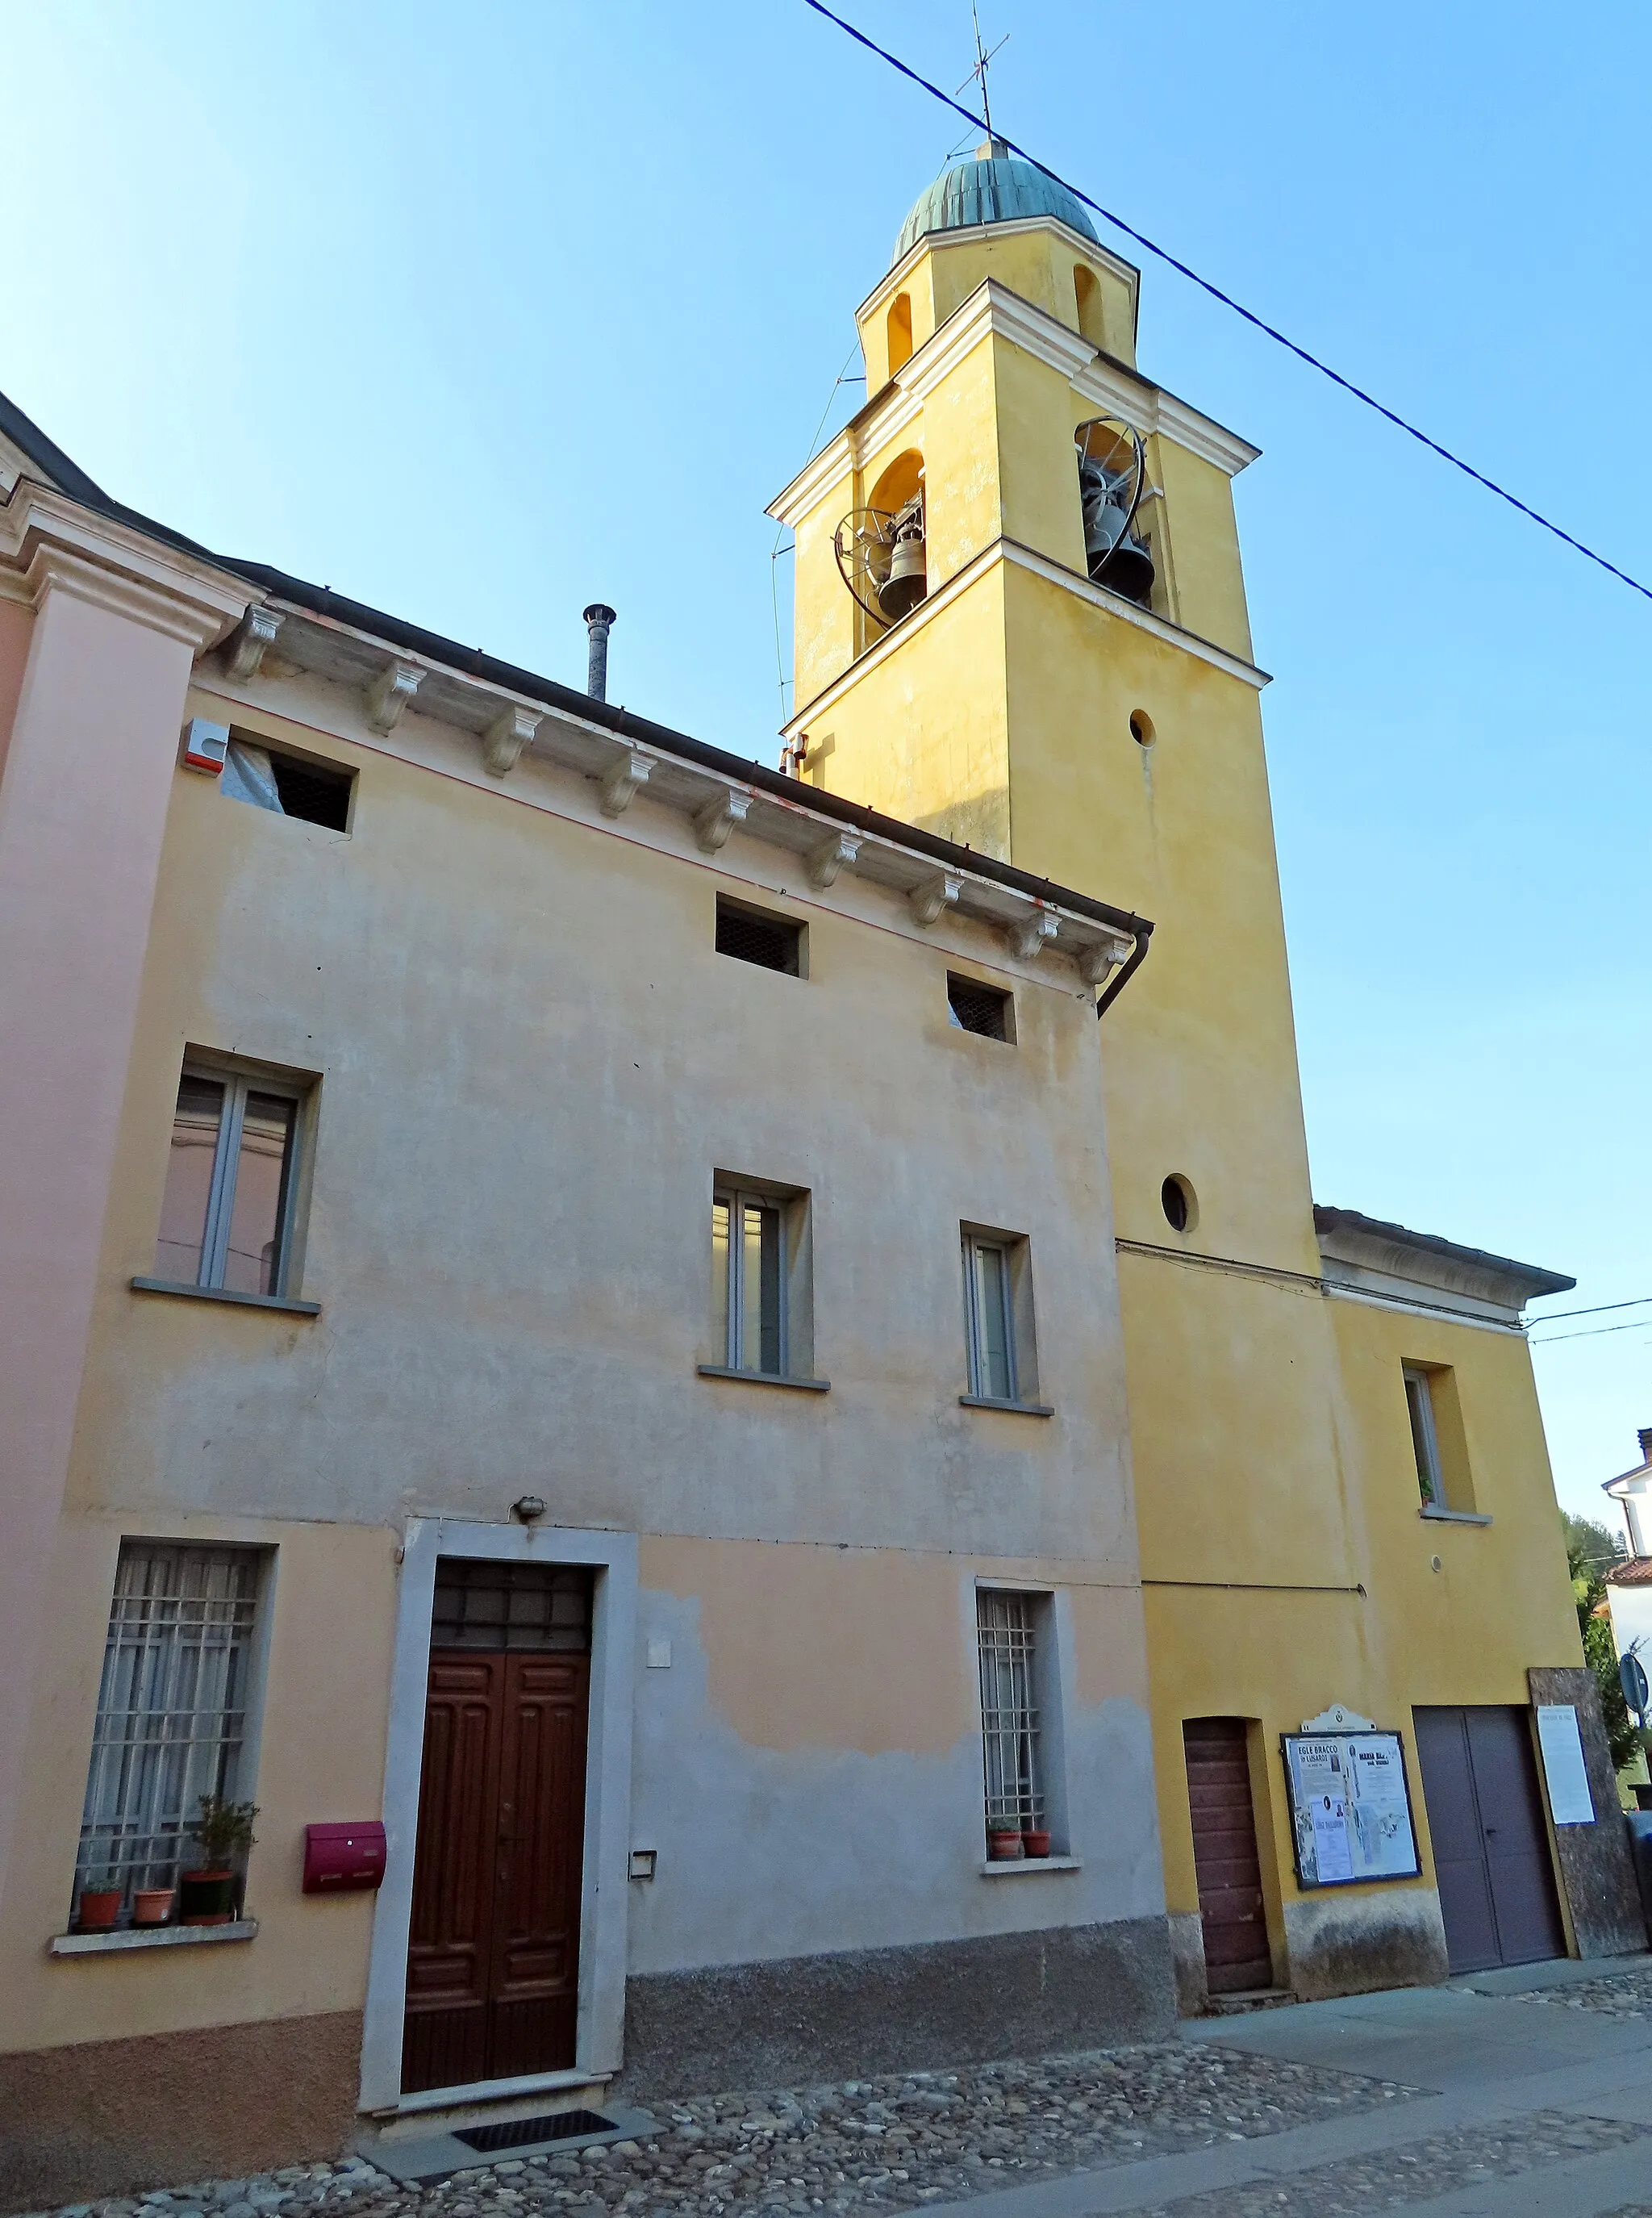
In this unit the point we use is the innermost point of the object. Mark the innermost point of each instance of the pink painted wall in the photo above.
(83, 801)
(17, 629)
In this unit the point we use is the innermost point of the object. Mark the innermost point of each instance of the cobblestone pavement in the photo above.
(1624, 1994)
(896, 2142)
(1441, 2164)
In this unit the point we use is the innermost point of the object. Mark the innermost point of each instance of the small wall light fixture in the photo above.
(527, 1507)
(642, 1864)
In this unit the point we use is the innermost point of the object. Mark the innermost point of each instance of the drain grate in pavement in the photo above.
(522, 2133)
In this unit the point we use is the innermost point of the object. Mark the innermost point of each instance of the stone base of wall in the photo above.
(834, 2017)
(1353, 1943)
(1187, 1954)
(115, 2117)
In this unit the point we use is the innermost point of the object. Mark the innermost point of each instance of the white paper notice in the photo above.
(1570, 1802)
(1332, 1856)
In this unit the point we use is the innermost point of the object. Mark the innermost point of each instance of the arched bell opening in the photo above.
(880, 550)
(1112, 484)
(897, 329)
(1086, 300)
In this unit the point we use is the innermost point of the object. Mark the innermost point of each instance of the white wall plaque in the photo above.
(1570, 1802)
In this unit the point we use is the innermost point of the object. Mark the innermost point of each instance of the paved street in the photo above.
(1523, 2095)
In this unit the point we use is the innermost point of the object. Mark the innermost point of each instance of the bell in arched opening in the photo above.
(908, 579)
(1113, 478)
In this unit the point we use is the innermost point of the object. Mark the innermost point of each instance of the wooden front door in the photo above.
(493, 1954)
(1237, 1957)
(1491, 1846)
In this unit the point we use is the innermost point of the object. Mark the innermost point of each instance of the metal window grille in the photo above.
(976, 1008)
(171, 1709)
(480, 1604)
(1011, 1756)
(771, 942)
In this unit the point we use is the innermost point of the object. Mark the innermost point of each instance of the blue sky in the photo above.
(479, 314)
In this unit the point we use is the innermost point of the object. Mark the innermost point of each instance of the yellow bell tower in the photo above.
(1021, 621)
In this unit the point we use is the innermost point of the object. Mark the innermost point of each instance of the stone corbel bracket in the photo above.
(929, 901)
(836, 850)
(1098, 959)
(505, 738)
(715, 821)
(1030, 933)
(245, 653)
(623, 780)
(389, 694)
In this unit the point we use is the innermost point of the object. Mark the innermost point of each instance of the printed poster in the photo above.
(1351, 1808)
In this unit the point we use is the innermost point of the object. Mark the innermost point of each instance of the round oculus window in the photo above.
(1176, 1198)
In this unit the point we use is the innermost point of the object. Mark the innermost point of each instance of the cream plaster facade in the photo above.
(526, 1063)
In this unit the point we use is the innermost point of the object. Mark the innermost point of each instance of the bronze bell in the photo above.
(1128, 570)
(908, 579)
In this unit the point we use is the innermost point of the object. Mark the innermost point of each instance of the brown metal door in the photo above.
(493, 1952)
(1491, 1846)
(1229, 1871)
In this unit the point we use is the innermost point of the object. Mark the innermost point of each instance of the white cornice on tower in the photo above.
(1056, 573)
(1088, 249)
(991, 311)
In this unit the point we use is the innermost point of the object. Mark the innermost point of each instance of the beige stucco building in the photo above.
(555, 1234)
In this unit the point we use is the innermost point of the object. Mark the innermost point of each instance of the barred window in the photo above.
(171, 1709)
(1012, 1756)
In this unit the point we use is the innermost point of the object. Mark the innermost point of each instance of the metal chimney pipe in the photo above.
(599, 618)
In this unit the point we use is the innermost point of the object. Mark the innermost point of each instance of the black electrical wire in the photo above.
(1227, 301)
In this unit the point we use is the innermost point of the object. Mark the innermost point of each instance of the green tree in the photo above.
(1591, 1543)
(1584, 1542)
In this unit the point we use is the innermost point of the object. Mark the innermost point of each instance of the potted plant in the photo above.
(99, 1908)
(152, 1905)
(1035, 1839)
(1004, 1843)
(223, 1830)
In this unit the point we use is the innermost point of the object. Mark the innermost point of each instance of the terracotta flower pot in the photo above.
(206, 1897)
(99, 1908)
(1036, 1843)
(1003, 1846)
(152, 1905)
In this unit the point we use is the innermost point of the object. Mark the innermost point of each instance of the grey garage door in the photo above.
(1491, 1845)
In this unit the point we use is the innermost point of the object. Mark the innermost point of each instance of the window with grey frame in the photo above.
(749, 1274)
(1425, 1438)
(1012, 1731)
(172, 1709)
(1001, 1358)
(228, 1208)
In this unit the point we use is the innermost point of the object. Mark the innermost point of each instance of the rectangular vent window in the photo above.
(977, 1008)
(524, 2133)
(751, 935)
(287, 785)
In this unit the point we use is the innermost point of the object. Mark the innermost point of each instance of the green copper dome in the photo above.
(996, 186)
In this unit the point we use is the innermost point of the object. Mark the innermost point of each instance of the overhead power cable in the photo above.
(1554, 1316)
(1227, 301)
(1591, 1331)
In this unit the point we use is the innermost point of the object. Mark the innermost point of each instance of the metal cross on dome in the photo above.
(983, 56)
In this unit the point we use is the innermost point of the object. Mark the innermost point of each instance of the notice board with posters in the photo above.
(1350, 1808)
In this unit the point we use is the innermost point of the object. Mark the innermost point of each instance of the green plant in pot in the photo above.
(223, 1831)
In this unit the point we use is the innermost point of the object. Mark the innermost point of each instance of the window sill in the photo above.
(149, 1937)
(764, 1379)
(1013, 1866)
(1015, 1409)
(1436, 1515)
(223, 1294)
